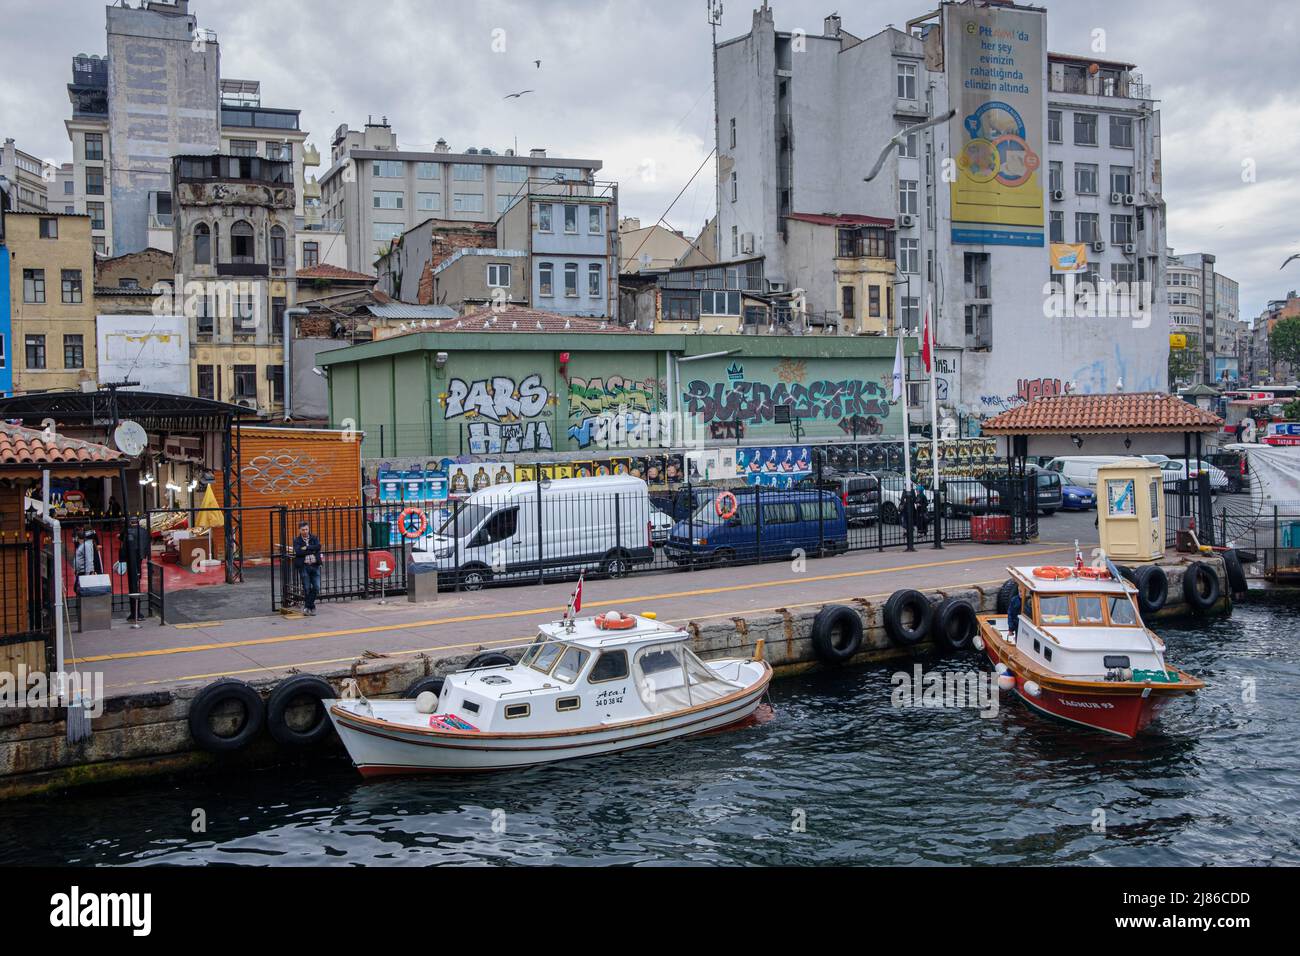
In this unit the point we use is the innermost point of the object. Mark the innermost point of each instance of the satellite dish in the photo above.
(130, 438)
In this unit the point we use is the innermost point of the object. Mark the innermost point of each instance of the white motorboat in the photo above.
(583, 687)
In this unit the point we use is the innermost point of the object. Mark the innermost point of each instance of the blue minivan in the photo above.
(788, 520)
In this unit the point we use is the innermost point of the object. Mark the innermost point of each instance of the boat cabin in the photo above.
(578, 674)
(1083, 627)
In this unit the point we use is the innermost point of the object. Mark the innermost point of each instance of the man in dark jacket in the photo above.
(136, 545)
(306, 561)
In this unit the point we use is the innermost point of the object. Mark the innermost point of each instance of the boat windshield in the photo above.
(571, 664)
(1087, 609)
(1122, 611)
(1053, 609)
(530, 655)
(546, 656)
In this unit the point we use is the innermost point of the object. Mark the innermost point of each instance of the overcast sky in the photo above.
(629, 82)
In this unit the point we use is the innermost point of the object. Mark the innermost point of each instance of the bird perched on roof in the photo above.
(515, 96)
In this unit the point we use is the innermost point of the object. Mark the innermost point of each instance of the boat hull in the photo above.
(379, 748)
(1122, 711)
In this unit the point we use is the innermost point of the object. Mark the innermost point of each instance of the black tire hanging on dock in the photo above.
(836, 633)
(1237, 585)
(904, 601)
(285, 695)
(1005, 594)
(432, 684)
(1201, 587)
(954, 624)
(209, 699)
(489, 659)
(1152, 586)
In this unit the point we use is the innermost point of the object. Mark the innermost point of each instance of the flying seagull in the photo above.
(902, 135)
(1295, 255)
(539, 63)
(515, 96)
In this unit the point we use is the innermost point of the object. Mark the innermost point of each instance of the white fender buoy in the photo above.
(1000, 668)
(1006, 682)
(977, 642)
(1032, 688)
(426, 702)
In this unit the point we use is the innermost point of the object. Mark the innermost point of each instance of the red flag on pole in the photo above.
(576, 598)
(925, 341)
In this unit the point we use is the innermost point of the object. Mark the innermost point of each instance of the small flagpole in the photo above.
(934, 398)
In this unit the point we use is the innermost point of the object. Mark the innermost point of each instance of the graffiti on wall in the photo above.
(626, 410)
(856, 406)
(494, 438)
(497, 399)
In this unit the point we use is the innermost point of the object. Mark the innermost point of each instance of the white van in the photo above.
(500, 533)
(1081, 470)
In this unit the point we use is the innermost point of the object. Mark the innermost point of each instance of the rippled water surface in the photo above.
(1216, 781)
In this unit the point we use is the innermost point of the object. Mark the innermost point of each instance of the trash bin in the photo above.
(380, 534)
(95, 602)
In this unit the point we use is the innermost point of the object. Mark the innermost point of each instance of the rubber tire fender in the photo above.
(922, 610)
(833, 619)
(277, 705)
(489, 659)
(1195, 572)
(433, 685)
(1005, 594)
(1237, 584)
(1152, 585)
(207, 700)
(954, 615)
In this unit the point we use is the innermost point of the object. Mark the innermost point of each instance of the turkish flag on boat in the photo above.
(926, 356)
(576, 597)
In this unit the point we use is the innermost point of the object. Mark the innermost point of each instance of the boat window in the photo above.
(1047, 653)
(470, 706)
(568, 703)
(571, 665)
(611, 665)
(1053, 609)
(1087, 610)
(534, 648)
(516, 710)
(1122, 612)
(547, 656)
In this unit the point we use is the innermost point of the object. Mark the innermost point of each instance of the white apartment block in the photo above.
(802, 118)
(378, 191)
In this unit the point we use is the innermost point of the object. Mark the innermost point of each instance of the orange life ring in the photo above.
(624, 622)
(421, 527)
(726, 513)
(1094, 574)
(1054, 573)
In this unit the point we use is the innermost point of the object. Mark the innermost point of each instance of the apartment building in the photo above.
(158, 93)
(802, 118)
(234, 236)
(1185, 292)
(378, 191)
(26, 174)
(1227, 322)
(1192, 288)
(52, 305)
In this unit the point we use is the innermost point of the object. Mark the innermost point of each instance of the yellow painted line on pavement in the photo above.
(502, 615)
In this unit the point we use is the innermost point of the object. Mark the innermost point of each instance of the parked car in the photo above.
(789, 520)
(892, 485)
(1080, 470)
(593, 524)
(1077, 498)
(859, 492)
(661, 526)
(969, 496)
(1236, 466)
(1047, 488)
(1175, 469)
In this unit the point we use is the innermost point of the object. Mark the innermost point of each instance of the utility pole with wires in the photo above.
(715, 18)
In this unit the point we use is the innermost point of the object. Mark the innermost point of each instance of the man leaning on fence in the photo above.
(306, 561)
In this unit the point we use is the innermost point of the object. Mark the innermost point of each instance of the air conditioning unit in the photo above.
(1058, 195)
(1099, 246)
(1116, 199)
(906, 221)
(1130, 248)
(1129, 199)
(747, 243)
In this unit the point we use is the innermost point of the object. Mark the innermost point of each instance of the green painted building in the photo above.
(551, 395)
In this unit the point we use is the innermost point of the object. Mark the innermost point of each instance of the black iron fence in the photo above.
(537, 532)
(1189, 506)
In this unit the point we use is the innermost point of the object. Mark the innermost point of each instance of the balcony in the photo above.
(1078, 81)
(217, 168)
(160, 220)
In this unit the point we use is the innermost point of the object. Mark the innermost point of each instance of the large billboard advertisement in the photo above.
(153, 350)
(996, 74)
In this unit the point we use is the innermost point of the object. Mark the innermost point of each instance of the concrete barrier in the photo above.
(145, 734)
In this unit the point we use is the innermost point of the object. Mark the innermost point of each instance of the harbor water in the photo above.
(835, 775)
